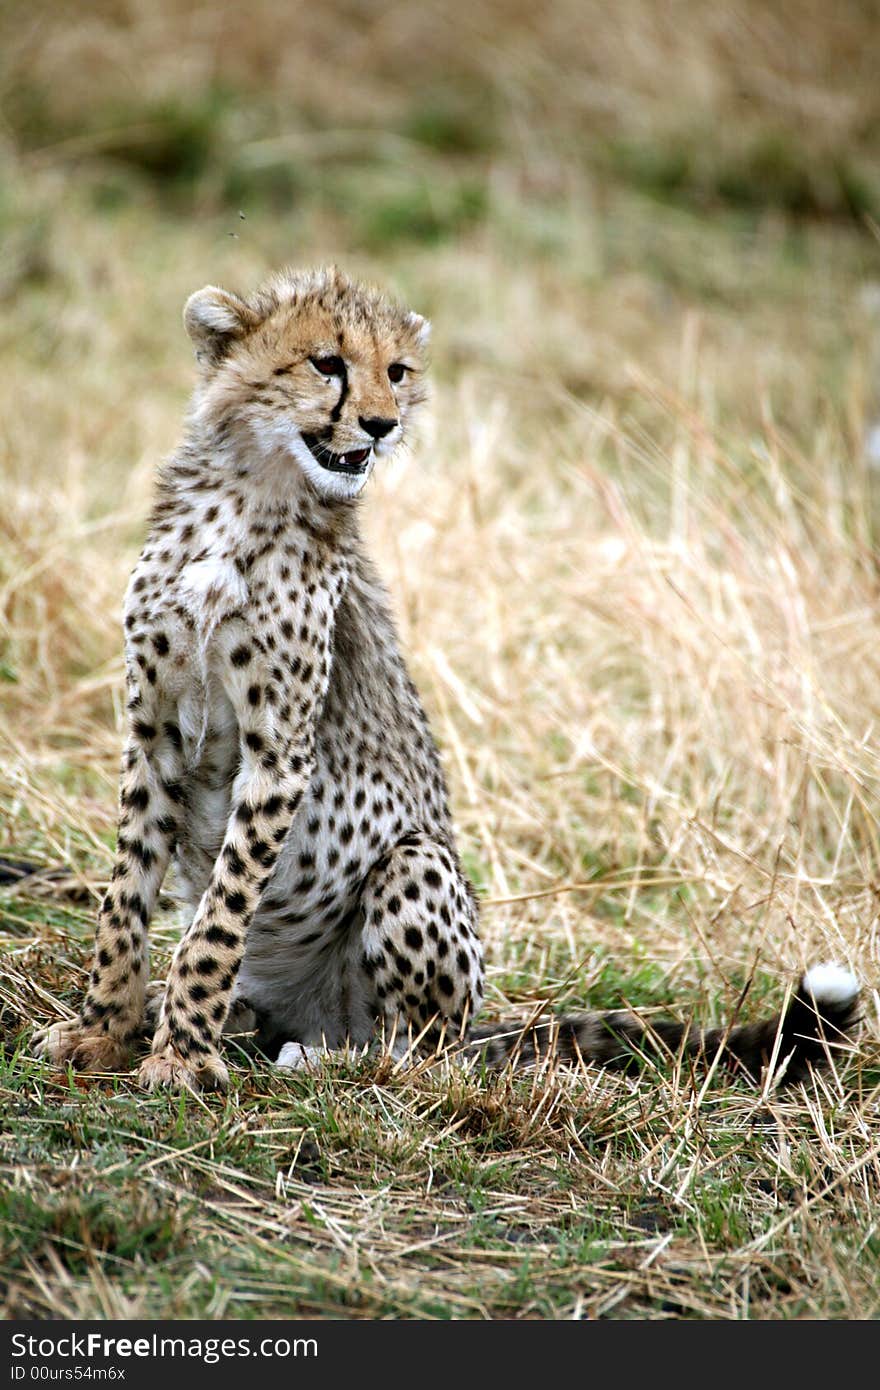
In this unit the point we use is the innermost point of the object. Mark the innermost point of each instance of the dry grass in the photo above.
(634, 560)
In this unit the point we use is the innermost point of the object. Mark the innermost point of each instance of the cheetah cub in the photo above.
(277, 746)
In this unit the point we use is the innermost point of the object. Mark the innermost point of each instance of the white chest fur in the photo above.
(212, 585)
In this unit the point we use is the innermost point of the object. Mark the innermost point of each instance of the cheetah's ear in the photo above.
(214, 319)
(420, 329)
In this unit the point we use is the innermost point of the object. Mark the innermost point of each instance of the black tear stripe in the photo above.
(336, 412)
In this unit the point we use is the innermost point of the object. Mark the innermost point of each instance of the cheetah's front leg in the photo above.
(206, 962)
(273, 774)
(101, 1038)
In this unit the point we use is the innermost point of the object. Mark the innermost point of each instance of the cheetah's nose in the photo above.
(376, 427)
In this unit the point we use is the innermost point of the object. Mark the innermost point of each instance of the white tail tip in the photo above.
(830, 983)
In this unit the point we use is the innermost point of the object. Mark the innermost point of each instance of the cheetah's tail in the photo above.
(818, 1018)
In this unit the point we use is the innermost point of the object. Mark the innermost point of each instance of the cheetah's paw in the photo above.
(168, 1069)
(296, 1056)
(86, 1049)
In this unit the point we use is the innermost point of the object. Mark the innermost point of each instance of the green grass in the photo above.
(266, 1203)
(772, 172)
(363, 1191)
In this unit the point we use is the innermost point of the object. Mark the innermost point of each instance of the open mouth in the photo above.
(355, 461)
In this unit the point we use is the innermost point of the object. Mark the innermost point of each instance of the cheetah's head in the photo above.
(322, 371)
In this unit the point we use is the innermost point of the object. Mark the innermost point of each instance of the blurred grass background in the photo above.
(634, 562)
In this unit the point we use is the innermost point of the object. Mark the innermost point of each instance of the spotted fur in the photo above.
(276, 744)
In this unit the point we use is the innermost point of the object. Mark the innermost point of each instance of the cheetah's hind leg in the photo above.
(421, 953)
(420, 958)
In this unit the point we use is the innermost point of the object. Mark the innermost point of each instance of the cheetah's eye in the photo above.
(328, 366)
(396, 371)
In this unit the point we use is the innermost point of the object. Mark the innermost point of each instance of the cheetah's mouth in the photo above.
(354, 462)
